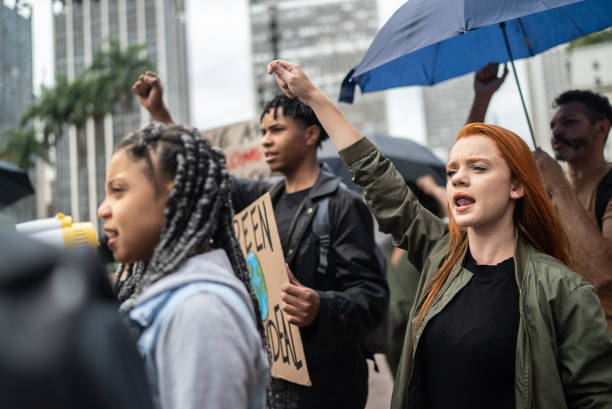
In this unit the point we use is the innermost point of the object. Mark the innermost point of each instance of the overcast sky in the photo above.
(221, 77)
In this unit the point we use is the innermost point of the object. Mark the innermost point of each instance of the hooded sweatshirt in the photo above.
(199, 338)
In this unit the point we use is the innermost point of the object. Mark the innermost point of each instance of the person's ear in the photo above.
(165, 187)
(312, 135)
(517, 190)
(169, 186)
(603, 128)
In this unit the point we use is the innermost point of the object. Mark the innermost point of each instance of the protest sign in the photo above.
(241, 144)
(256, 231)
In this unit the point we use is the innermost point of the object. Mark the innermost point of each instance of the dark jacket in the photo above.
(63, 345)
(353, 292)
(564, 350)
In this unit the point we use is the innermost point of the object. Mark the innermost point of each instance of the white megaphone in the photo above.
(59, 231)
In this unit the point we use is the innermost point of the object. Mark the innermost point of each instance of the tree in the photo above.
(64, 103)
(107, 81)
(21, 147)
(94, 93)
(116, 70)
(52, 108)
(602, 36)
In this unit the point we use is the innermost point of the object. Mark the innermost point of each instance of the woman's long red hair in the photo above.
(534, 214)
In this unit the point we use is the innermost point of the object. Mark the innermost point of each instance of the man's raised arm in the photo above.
(592, 248)
(486, 83)
(149, 91)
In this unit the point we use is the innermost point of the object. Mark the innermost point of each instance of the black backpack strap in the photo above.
(604, 194)
(321, 228)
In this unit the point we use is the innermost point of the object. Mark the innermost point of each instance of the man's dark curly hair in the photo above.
(597, 106)
(296, 110)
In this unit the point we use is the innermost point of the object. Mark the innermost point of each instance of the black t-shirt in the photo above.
(468, 350)
(285, 209)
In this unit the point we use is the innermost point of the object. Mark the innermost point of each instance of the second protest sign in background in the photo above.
(256, 231)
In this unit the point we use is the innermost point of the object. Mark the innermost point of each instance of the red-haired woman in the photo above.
(500, 320)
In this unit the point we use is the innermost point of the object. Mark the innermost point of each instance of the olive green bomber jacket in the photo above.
(564, 349)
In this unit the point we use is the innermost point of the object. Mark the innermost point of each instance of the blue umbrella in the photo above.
(428, 41)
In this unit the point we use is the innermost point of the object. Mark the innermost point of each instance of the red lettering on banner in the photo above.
(239, 159)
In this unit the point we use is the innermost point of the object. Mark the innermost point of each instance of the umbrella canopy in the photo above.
(428, 41)
(14, 184)
(411, 159)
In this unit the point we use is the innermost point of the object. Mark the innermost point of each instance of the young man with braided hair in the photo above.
(583, 194)
(183, 281)
(333, 306)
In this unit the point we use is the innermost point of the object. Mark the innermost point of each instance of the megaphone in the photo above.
(60, 231)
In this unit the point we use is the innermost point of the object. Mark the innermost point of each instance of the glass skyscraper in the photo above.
(327, 38)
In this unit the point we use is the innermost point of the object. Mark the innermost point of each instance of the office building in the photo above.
(81, 29)
(327, 38)
(16, 84)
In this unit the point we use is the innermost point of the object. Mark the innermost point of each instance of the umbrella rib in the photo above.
(525, 36)
(571, 20)
(576, 26)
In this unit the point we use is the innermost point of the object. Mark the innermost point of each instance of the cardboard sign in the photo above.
(241, 144)
(256, 231)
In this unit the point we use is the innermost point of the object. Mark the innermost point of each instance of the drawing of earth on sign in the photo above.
(259, 283)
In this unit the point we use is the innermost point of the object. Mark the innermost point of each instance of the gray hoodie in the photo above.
(200, 340)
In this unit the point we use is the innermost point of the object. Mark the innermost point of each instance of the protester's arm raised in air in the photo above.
(592, 248)
(149, 91)
(486, 83)
(397, 210)
(295, 83)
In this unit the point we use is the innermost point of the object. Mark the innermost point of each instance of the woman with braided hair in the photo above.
(183, 281)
